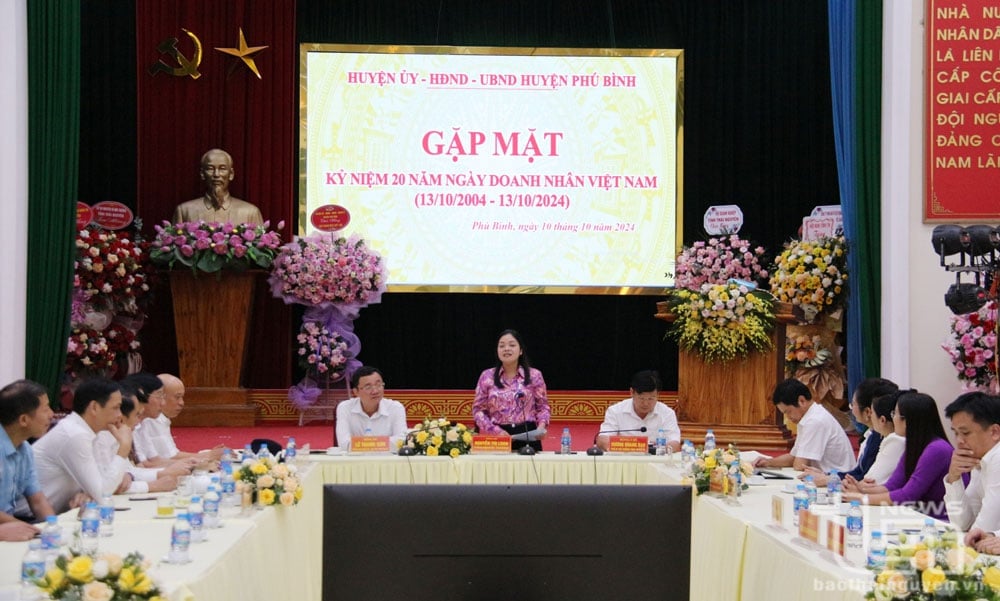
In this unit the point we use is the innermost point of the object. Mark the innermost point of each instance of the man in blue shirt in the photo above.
(24, 414)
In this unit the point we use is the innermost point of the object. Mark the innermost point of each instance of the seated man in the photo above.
(155, 445)
(67, 465)
(139, 479)
(821, 441)
(24, 414)
(975, 420)
(861, 407)
(367, 413)
(644, 409)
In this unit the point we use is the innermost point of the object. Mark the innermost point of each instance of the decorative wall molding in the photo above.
(574, 406)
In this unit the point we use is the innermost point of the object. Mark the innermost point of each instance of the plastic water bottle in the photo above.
(51, 537)
(811, 491)
(290, 450)
(854, 537)
(876, 551)
(228, 490)
(709, 440)
(661, 442)
(226, 461)
(834, 489)
(248, 454)
(180, 539)
(799, 501)
(90, 528)
(211, 505)
(107, 512)
(264, 453)
(196, 517)
(929, 533)
(687, 454)
(566, 442)
(32, 568)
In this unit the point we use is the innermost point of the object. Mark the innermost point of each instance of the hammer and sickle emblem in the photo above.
(187, 67)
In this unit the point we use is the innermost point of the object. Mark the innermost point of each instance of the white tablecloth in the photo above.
(275, 553)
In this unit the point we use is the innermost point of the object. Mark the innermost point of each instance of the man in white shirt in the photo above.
(975, 420)
(155, 446)
(64, 457)
(643, 410)
(143, 479)
(821, 441)
(367, 412)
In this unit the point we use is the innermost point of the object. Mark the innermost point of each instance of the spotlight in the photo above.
(977, 240)
(965, 298)
(947, 239)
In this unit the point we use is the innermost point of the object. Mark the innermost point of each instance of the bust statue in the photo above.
(216, 205)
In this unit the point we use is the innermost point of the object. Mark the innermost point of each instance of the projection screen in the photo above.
(497, 169)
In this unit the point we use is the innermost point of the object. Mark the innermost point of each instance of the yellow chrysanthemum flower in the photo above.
(266, 496)
(454, 452)
(432, 451)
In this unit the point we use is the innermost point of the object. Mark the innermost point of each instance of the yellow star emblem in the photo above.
(245, 53)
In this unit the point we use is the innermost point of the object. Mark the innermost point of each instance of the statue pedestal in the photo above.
(733, 398)
(212, 318)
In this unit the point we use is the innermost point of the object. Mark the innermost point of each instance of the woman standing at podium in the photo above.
(511, 396)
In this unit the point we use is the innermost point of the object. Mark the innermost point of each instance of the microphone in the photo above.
(596, 450)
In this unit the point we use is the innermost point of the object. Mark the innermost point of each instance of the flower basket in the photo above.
(716, 471)
(721, 322)
(107, 576)
(435, 437)
(939, 568)
(972, 348)
(812, 276)
(718, 260)
(270, 482)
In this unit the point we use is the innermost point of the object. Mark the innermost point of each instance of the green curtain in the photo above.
(868, 158)
(53, 155)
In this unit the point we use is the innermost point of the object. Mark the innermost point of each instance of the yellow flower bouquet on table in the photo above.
(721, 322)
(812, 275)
(435, 437)
(107, 577)
(717, 471)
(274, 483)
(937, 569)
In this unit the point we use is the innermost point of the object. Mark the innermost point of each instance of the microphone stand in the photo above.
(527, 449)
(596, 450)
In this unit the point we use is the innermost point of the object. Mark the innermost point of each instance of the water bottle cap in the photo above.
(855, 503)
(876, 534)
(291, 439)
(808, 478)
(52, 519)
(91, 505)
(800, 486)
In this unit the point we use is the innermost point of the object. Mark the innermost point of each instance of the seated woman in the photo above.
(918, 479)
(893, 445)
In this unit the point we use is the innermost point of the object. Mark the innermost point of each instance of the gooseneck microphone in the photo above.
(596, 450)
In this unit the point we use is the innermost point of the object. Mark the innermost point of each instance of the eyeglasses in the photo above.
(372, 386)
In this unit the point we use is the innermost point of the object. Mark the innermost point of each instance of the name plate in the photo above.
(369, 444)
(628, 444)
(809, 525)
(835, 537)
(485, 444)
(778, 510)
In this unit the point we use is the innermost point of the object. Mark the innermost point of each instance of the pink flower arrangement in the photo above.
(972, 347)
(323, 269)
(321, 352)
(210, 247)
(717, 261)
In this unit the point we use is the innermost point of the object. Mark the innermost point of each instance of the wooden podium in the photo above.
(733, 398)
(212, 318)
